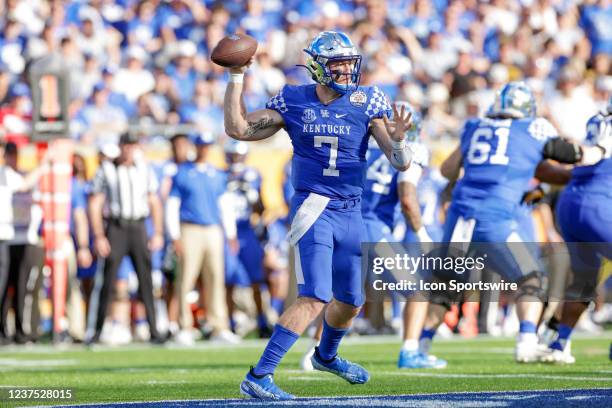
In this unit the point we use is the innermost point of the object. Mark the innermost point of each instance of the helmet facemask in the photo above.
(326, 49)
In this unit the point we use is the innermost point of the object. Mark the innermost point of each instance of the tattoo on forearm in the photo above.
(261, 124)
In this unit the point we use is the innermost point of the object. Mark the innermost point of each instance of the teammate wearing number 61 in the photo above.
(499, 155)
(329, 124)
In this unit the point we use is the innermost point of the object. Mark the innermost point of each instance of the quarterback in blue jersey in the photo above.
(329, 124)
(499, 155)
(583, 214)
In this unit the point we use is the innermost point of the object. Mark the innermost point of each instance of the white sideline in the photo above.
(449, 375)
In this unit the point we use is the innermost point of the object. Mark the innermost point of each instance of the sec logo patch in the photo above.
(358, 98)
(309, 115)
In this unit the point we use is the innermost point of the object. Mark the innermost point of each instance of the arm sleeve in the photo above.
(173, 218)
(412, 175)
(228, 215)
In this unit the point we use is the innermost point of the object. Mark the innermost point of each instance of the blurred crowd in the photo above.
(143, 67)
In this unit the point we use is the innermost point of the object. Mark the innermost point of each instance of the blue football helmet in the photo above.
(330, 46)
(414, 132)
(235, 152)
(233, 146)
(514, 100)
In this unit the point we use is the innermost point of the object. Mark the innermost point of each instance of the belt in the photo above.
(124, 222)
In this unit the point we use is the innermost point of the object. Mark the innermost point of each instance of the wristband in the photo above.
(398, 145)
(237, 78)
(400, 154)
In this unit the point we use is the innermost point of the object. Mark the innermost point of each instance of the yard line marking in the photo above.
(540, 376)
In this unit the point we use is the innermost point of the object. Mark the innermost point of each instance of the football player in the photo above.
(329, 124)
(244, 185)
(499, 155)
(387, 189)
(583, 216)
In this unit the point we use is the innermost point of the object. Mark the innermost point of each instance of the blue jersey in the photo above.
(499, 158)
(244, 183)
(199, 187)
(380, 197)
(598, 177)
(381, 182)
(329, 141)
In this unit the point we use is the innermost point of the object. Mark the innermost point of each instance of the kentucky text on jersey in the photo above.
(327, 129)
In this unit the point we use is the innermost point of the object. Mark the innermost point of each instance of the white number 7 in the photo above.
(333, 153)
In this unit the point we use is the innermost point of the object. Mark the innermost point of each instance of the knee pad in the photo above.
(530, 288)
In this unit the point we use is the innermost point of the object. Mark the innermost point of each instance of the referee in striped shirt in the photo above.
(128, 187)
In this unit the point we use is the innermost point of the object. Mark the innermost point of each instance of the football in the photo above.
(234, 50)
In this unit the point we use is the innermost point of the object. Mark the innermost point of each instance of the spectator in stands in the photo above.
(572, 106)
(134, 80)
(16, 115)
(99, 122)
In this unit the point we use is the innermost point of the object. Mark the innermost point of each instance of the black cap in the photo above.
(128, 138)
(10, 148)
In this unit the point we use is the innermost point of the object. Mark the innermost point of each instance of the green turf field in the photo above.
(143, 373)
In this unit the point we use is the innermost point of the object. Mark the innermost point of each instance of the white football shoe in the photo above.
(527, 349)
(226, 337)
(184, 338)
(142, 332)
(305, 363)
(556, 356)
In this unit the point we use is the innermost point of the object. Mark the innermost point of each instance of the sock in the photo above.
(427, 334)
(277, 304)
(527, 332)
(410, 345)
(232, 323)
(563, 336)
(281, 341)
(527, 327)
(262, 321)
(425, 340)
(330, 340)
(140, 321)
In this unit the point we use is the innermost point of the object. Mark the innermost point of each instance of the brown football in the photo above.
(234, 50)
